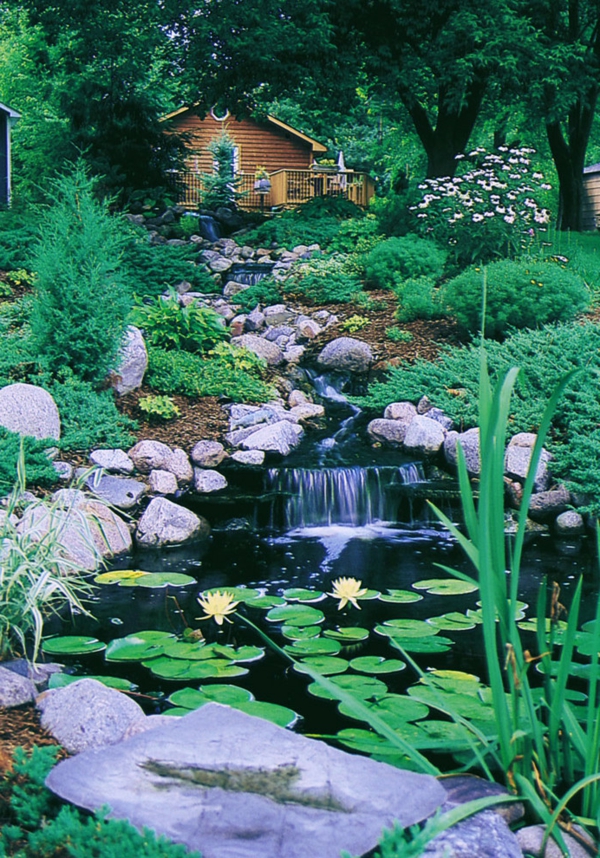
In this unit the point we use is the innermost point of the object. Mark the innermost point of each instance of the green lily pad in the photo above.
(162, 579)
(280, 715)
(177, 712)
(295, 615)
(240, 594)
(376, 664)
(453, 621)
(266, 602)
(72, 645)
(324, 664)
(400, 597)
(60, 680)
(465, 705)
(229, 695)
(427, 645)
(181, 670)
(363, 687)
(370, 594)
(139, 646)
(186, 649)
(300, 633)
(394, 709)
(445, 586)
(299, 594)
(350, 634)
(447, 735)
(247, 653)
(406, 628)
(118, 576)
(584, 644)
(373, 744)
(314, 646)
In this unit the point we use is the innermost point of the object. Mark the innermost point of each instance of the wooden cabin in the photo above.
(590, 207)
(8, 117)
(288, 156)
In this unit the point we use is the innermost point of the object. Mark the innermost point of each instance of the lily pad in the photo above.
(229, 695)
(60, 680)
(139, 646)
(300, 633)
(72, 645)
(427, 645)
(186, 649)
(299, 594)
(453, 621)
(240, 594)
(350, 634)
(324, 664)
(373, 744)
(118, 576)
(247, 653)
(363, 687)
(394, 709)
(181, 670)
(376, 664)
(162, 579)
(295, 615)
(314, 646)
(265, 602)
(445, 586)
(406, 628)
(400, 597)
(280, 715)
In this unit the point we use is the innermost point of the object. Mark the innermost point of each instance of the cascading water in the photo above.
(249, 274)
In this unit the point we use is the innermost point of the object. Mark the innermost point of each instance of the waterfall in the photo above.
(249, 274)
(209, 228)
(350, 497)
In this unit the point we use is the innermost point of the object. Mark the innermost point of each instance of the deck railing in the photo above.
(288, 188)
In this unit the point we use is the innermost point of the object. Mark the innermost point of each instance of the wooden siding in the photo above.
(259, 145)
(590, 209)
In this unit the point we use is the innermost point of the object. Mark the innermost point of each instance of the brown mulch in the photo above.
(20, 727)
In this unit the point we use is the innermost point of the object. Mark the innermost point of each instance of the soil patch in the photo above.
(20, 727)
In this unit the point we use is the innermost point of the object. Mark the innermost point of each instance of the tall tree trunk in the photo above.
(569, 158)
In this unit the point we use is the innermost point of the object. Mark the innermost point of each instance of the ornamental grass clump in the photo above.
(493, 207)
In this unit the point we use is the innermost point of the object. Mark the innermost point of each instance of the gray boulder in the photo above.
(87, 714)
(546, 505)
(29, 410)
(162, 482)
(530, 840)
(178, 464)
(346, 354)
(260, 346)
(15, 689)
(121, 492)
(518, 457)
(280, 438)
(115, 461)
(207, 482)
(249, 457)
(569, 523)
(148, 455)
(469, 442)
(424, 436)
(307, 411)
(404, 411)
(255, 320)
(227, 783)
(132, 362)
(208, 454)
(166, 523)
(390, 433)
(485, 835)
(278, 314)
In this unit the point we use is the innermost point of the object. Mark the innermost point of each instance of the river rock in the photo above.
(404, 411)
(86, 714)
(207, 482)
(178, 464)
(166, 523)
(298, 397)
(346, 354)
(390, 433)
(280, 438)
(260, 346)
(208, 454)
(278, 314)
(545, 505)
(249, 457)
(148, 455)
(15, 689)
(518, 456)
(294, 354)
(232, 287)
(469, 442)
(115, 461)
(344, 801)
(162, 482)
(569, 523)
(255, 320)
(485, 835)
(220, 264)
(132, 362)
(307, 411)
(530, 840)
(121, 492)
(424, 436)
(29, 410)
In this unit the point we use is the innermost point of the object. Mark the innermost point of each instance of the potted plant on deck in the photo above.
(262, 181)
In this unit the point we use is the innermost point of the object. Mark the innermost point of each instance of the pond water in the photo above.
(302, 528)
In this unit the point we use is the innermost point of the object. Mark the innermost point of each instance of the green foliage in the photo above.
(357, 235)
(220, 187)
(81, 301)
(37, 462)
(17, 354)
(152, 268)
(324, 280)
(18, 232)
(393, 211)
(265, 292)
(544, 356)
(397, 335)
(519, 294)
(354, 324)
(169, 325)
(404, 257)
(40, 826)
(192, 375)
(418, 299)
(316, 222)
(158, 408)
(89, 417)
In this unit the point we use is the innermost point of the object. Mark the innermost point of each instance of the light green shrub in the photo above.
(524, 294)
(418, 299)
(158, 408)
(404, 257)
(81, 298)
(324, 280)
(169, 325)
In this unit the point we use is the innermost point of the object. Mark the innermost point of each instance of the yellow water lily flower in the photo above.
(217, 605)
(347, 590)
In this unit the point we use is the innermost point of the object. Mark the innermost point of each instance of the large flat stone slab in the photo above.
(230, 784)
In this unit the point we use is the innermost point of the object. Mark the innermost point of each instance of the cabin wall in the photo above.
(590, 209)
(259, 146)
(4, 159)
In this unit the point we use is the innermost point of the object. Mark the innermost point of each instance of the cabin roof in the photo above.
(272, 120)
(593, 168)
(12, 114)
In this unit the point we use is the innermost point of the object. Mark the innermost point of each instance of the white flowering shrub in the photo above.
(490, 209)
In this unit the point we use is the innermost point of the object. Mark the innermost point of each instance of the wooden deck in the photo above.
(289, 188)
